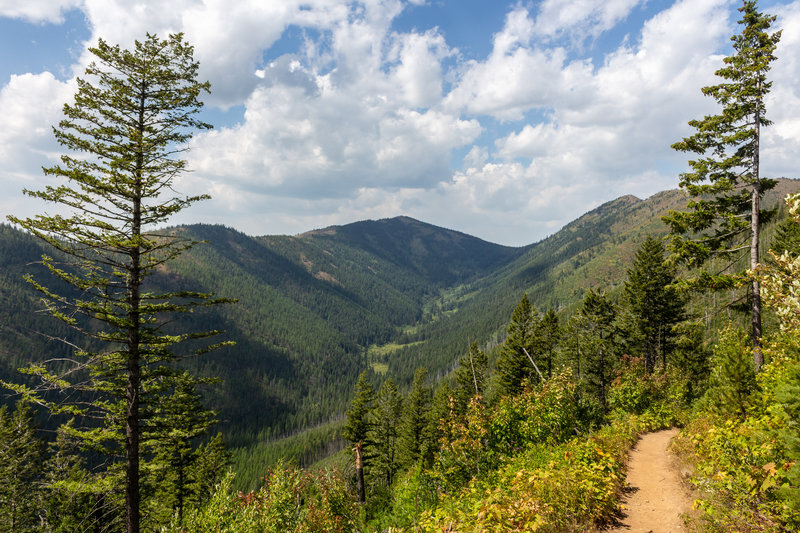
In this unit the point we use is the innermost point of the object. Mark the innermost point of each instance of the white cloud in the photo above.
(781, 141)
(38, 11)
(581, 19)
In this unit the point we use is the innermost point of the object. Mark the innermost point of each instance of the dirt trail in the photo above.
(655, 498)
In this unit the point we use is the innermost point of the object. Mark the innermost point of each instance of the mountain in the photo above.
(317, 308)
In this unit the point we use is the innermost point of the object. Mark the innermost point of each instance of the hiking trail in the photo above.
(655, 496)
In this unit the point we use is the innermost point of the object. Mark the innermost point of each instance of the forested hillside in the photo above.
(316, 309)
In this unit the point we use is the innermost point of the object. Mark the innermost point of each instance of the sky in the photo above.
(504, 120)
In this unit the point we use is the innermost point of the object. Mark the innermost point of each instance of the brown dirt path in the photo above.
(655, 497)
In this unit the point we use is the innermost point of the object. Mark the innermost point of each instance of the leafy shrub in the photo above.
(290, 501)
(658, 399)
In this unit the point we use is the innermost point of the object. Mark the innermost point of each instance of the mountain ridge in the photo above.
(317, 308)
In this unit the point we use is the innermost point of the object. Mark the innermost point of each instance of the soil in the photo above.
(655, 497)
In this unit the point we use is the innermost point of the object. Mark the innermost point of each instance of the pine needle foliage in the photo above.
(724, 182)
(125, 132)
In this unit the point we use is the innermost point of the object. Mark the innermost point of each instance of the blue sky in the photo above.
(504, 120)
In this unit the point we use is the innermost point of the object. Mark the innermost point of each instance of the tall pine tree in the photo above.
(513, 364)
(415, 419)
(597, 332)
(725, 183)
(358, 428)
(386, 415)
(131, 119)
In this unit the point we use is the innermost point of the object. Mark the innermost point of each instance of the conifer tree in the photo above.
(513, 365)
(21, 470)
(655, 303)
(178, 421)
(733, 379)
(210, 468)
(358, 428)
(415, 419)
(387, 414)
(549, 336)
(725, 218)
(472, 376)
(787, 237)
(442, 404)
(596, 328)
(130, 121)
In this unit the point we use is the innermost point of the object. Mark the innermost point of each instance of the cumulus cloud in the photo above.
(355, 118)
(38, 11)
(581, 19)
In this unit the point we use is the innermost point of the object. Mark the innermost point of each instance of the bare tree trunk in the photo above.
(755, 228)
(362, 496)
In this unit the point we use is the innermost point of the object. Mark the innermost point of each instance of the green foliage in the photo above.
(568, 487)
(654, 302)
(291, 500)
(358, 428)
(21, 467)
(549, 335)
(415, 419)
(597, 345)
(725, 217)
(132, 116)
(658, 400)
(513, 365)
(472, 376)
(733, 378)
(386, 418)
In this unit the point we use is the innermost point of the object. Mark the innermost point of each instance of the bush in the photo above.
(290, 501)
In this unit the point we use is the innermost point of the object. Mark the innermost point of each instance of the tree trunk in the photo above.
(132, 502)
(362, 496)
(755, 228)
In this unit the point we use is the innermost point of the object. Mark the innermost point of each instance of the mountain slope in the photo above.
(317, 308)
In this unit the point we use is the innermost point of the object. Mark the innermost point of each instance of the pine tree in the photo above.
(178, 421)
(513, 364)
(387, 414)
(210, 467)
(653, 300)
(787, 237)
(71, 499)
(21, 473)
(596, 328)
(549, 336)
(415, 419)
(358, 428)
(131, 119)
(472, 376)
(725, 183)
(733, 378)
(441, 407)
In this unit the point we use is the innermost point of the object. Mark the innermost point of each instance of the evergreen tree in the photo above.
(131, 118)
(442, 404)
(387, 414)
(210, 466)
(71, 500)
(725, 183)
(21, 462)
(549, 336)
(415, 419)
(596, 328)
(472, 376)
(787, 237)
(733, 379)
(177, 422)
(653, 300)
(513, 364)
(358, 428)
